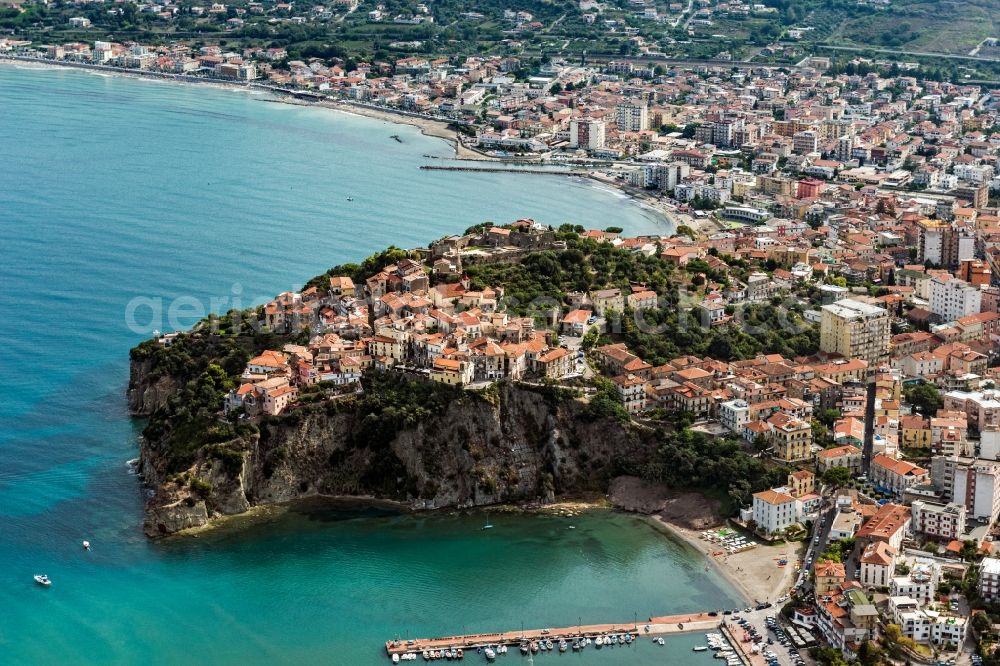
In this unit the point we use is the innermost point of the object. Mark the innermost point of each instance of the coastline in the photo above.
(751, 573)
(439, 129)
(746, 581)
(567, 507)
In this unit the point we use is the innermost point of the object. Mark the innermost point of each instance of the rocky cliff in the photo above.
(148, 390)
(510, 443)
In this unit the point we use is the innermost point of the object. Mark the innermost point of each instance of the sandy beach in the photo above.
(754, 573)
(436, 128)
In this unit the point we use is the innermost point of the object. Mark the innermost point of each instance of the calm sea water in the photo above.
(189, 198)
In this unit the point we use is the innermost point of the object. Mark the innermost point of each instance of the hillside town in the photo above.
(865, 201)
(891, 428)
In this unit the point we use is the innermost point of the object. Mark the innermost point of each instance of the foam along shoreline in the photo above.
(754, 574)
(439, 129)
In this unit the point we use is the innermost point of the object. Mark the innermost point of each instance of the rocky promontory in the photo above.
(508, 443)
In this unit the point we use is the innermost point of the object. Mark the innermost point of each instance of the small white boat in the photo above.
(86, 545)
(490, 654)
(395, 658)
(660, 641)
(42, 579)
(699, 648)
(350, 198)
(562, 646)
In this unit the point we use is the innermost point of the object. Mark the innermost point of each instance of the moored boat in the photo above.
(489, 654)
(43, 580)
(699, 648)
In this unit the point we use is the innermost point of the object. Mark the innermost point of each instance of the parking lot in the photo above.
(765, 629)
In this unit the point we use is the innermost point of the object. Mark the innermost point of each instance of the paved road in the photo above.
(925, 54)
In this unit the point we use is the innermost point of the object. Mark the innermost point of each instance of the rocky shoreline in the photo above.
(513, 446)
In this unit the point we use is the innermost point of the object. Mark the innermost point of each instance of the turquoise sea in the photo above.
(187, 198)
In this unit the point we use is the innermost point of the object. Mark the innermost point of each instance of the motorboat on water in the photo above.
(660, 641)
(525, 648)
(699, 648)
(563, 646)
(490, 654)
(86, 545)
(43, 580)
(549, 644)
(395, 658)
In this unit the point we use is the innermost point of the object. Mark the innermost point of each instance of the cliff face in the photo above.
(146, 390)
(509, 444)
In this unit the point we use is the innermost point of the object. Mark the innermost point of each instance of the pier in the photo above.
(657, 626)
(542, 172)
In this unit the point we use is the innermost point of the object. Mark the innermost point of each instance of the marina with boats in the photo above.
(490, 646)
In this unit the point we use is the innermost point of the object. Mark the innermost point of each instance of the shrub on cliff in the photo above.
(692, 460)
(605, 403)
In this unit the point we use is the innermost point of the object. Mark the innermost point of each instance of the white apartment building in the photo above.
(974, 173)
(734, 414)
(989, 579)
(953, 299)
(921, 583)
(925, 625)
(989, 444)
(878, 563)
(632, 116)
(669, 175)
(587, 133)
(939, 521)
(632, 392)
(977, 487)
(981, 407)
(774, 510)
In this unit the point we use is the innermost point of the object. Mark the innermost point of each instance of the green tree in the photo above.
(926, 397)
(685, 230)
(981, 622)
(838, 476)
